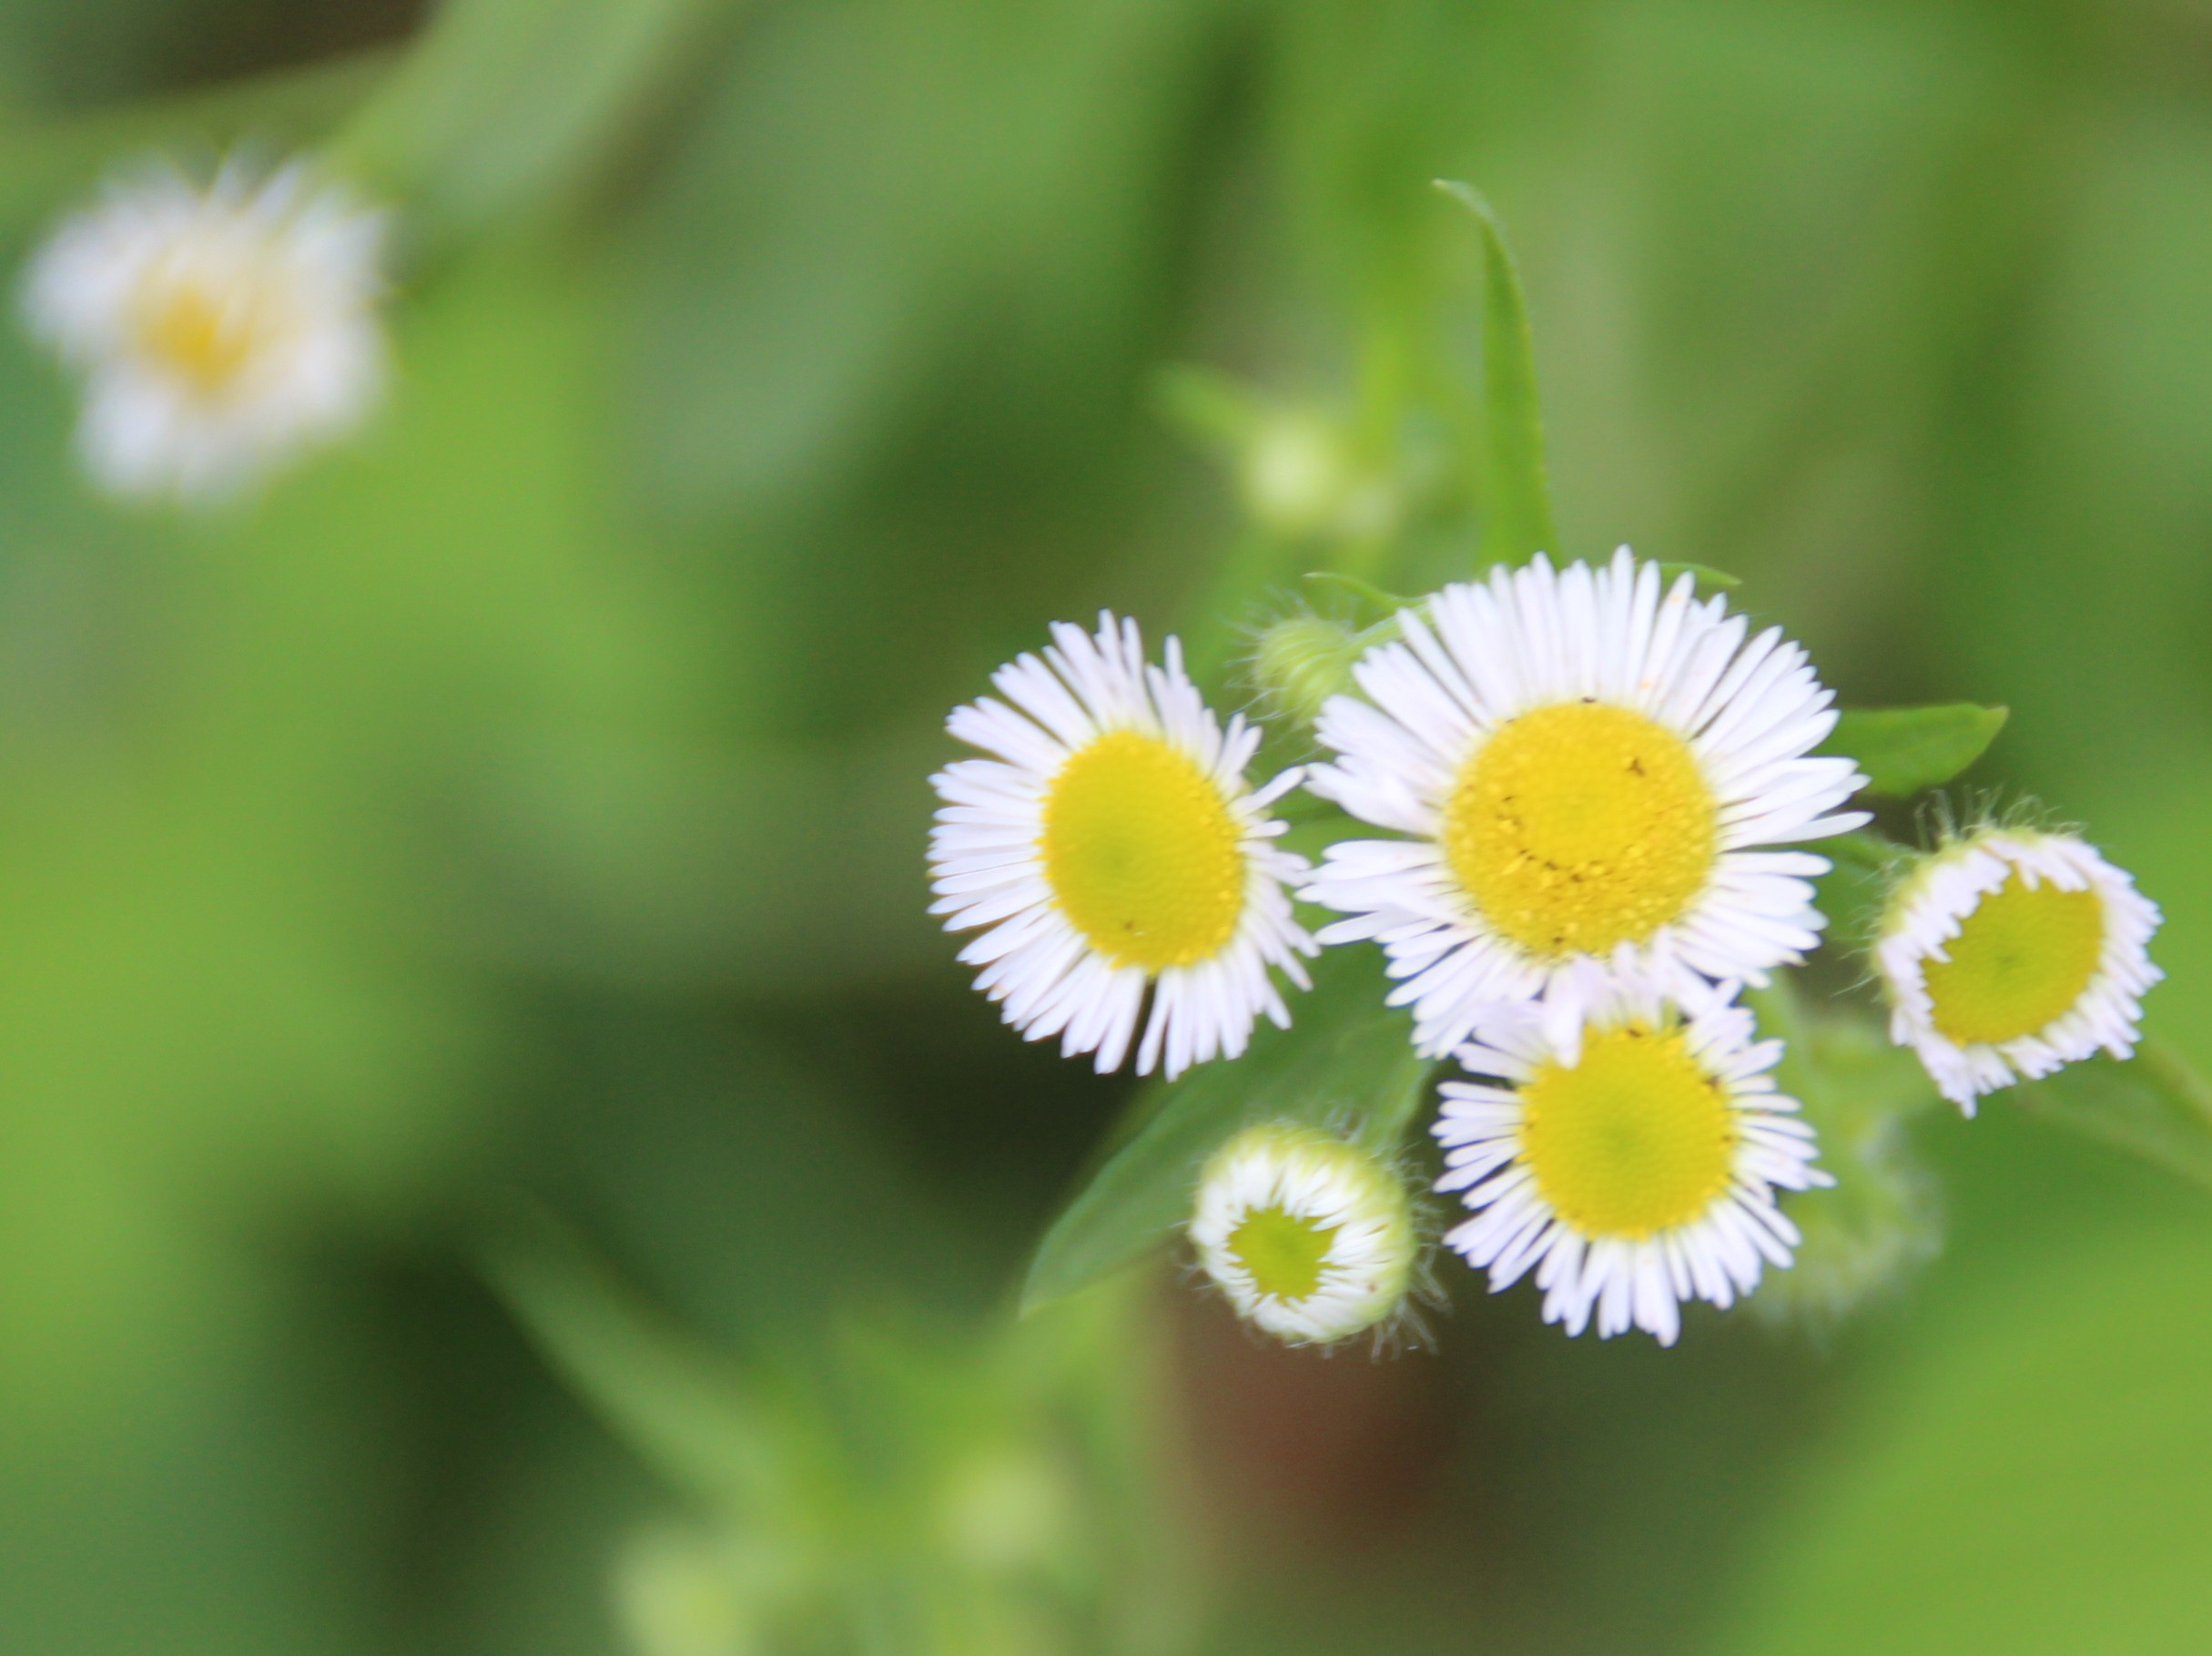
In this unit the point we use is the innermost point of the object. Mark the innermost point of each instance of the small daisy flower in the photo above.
(217, 329)
(1311, 1237)
(2012, 952)
(1110, 846)
(1632, 1171)
(1582, 766)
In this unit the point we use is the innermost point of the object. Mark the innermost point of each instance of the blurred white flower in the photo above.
(217, 329)
(1111, 845)
(2013, 952)
(1632, 1171)
(1311, 1237)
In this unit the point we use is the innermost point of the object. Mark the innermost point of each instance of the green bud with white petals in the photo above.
(1311, 1237)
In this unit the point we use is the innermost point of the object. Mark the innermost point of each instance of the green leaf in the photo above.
(1718, 580)
(505, 102)
(1347, 1061)
(1517, 494)
(1905, 749)
(680, 1406)
(2156, 1106)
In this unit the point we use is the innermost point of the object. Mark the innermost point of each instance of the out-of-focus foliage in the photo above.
(1866, 1236)
(996, 1496)
(534, 796)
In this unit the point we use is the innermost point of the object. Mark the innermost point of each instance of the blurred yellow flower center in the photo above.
(1142, 853)
(1635, 1139)
(2020, 960)
(1580, 826)
(204, 337)
(1283, 1252)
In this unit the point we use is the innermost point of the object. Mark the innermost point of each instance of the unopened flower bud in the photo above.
(1311, 1237)
(1880, 1223)
(1297, 472)
(1880, 1220)
(681, 1591)
(1301, 660)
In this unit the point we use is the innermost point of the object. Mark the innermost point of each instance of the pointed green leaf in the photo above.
(1716, 580)
(2156, 1106)
(1347, 1062)
(1516, 492)
(681, 1408)
(1905, 749)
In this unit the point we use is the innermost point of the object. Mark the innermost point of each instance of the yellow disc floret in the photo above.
(204, 337)
(1282, 1252)
(1635, 1138)
(1582, 826)
(1142, 853)
(2021, 959)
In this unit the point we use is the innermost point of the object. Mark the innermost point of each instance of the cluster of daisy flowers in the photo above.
(1596, 789)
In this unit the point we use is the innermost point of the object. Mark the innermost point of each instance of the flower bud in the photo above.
(1859, 1239)
(681, 1591)
(1881, 1219)
(1301, 660)
(1296, 473)
(1311, 1237)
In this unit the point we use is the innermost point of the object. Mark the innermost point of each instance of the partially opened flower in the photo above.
(1310, 1236)
(2011, 952)
(1581, 766)
(1632, 1171)
(219, 328)
(1112, 847)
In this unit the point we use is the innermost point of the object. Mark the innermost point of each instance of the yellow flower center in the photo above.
(1582, 826)
(204, 336)
(1635, 1138)
(1142, 854)
(2020, 960)
(1283, 1252)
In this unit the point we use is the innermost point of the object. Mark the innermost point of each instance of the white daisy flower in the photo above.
(1111, 845)
(1632, 1172)
(217, 329)
(1311, 1237)
(2012, 952)
(1580, 764)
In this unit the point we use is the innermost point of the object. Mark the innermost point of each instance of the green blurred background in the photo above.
(532, 799)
